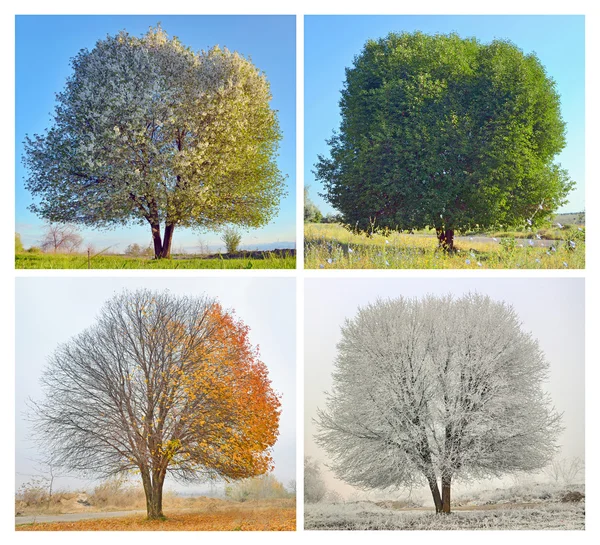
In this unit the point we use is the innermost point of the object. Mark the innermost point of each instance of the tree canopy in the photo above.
(448, 133)
(431, 390)
(147, 131)
(160, 384)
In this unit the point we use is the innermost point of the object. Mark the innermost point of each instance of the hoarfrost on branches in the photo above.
(431, 390)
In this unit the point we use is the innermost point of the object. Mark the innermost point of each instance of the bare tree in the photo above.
(292, 487)
(160, 384)
(60, 237)
(315, 489)
(427, 391)
(565, 470)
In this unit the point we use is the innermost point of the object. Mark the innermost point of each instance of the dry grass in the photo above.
(209, 514)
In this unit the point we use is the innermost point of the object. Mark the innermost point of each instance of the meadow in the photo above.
(546, 509)
(331, 246)
(285, 259)
(259, 504)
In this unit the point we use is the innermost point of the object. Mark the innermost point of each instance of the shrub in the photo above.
(232, 238)
(256, 488)
(116, 493)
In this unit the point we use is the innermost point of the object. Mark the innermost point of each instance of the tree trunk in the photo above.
(446, 484)
(153, 486)
(158, 247)
(168, 238)
(446, 239)
(435, 492)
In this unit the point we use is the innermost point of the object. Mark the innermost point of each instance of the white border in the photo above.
(299, 8)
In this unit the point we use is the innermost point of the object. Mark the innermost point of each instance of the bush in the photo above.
(232, 239)
(34, 493)
(35, 250)
(256, 488)
(116, 493)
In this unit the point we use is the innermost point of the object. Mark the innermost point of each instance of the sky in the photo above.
(42, 70)
(331, 43)
(50, 311)
(551, 309)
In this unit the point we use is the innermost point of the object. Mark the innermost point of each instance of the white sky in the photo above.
(552, 309)
(51, 310)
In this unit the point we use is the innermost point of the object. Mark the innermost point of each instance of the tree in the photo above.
(135, 250)
(443, 132)
(314, 485)
(292, 487)
(146, 131)
(19, 248)
(232, 239)
(566, 470)
(160, 384)
(432, 390)
(61, 238)
(312, 214)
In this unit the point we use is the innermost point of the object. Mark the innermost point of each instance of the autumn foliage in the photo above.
(160, 384)
(233, 413)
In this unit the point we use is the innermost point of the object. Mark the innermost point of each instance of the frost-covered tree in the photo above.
(147, 131)
(430, 390)
(314, 485)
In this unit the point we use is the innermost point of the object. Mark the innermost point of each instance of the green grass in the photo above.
(330, 246)
(67, 261)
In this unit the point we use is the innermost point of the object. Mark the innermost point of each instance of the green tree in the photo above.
(19, 249)
(147, 131)
(445, 132)
(232, 239)
(312, 214)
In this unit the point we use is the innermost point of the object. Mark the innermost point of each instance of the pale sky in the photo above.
(50, 311)
(552, 309)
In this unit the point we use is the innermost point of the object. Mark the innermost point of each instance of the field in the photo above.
(192, 514)
(330, 246)
(547, 510)
(277, 259)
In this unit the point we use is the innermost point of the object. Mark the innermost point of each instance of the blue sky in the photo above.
(331, 42)
(45, 45)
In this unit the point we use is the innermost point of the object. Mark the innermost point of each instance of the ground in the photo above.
(275, 259)
(331, 246)
(197, 514)
(546, 508)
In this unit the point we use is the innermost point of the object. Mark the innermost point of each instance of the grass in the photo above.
(535, 506)
(71, 261)
(330, 246)
(364, 516)
(255, 515)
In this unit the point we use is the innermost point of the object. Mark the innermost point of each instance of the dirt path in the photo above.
(74, 517)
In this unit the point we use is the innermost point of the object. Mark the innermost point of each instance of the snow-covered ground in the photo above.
(519, 508)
